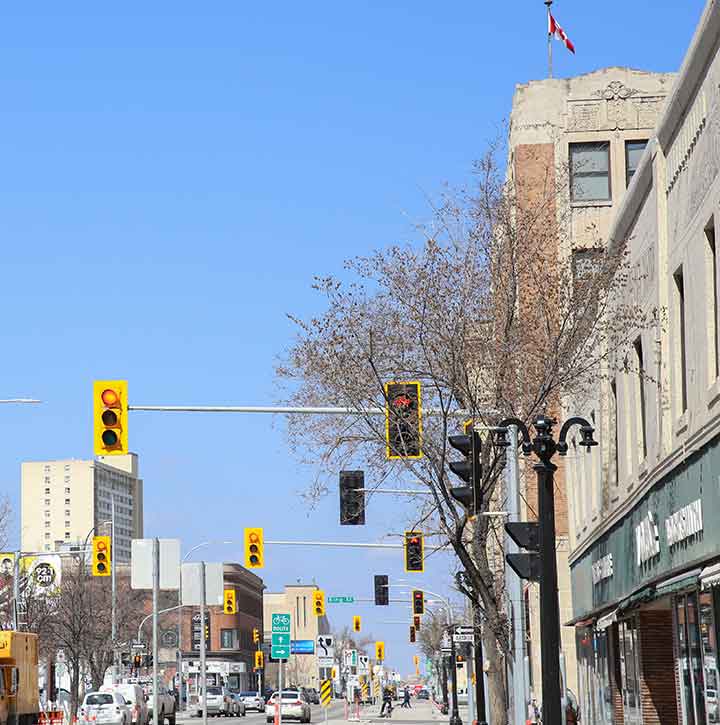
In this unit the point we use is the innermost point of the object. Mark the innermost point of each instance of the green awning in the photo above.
(646, 594)
(677, 583)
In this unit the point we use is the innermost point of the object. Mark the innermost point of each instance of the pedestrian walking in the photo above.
(406, 698)
(386, 703)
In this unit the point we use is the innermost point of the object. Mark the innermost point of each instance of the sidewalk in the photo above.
(420, 712)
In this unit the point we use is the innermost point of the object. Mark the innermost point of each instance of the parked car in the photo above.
(422, 694)
(253, 701)
(238, 704)
(166, 704)
(108, 708)
(218, 701)
(293, 704)
(135, 698)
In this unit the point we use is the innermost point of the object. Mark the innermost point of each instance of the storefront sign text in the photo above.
(684, 523)
(647, 539)
(602, 569)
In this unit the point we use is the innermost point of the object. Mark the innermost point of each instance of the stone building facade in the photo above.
(582, 137)
(645, 553)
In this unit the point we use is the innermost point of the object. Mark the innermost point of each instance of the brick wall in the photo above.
(657, 668)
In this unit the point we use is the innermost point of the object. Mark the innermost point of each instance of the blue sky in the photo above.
(172, 178)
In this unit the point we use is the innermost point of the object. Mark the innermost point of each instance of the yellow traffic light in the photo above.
(110, 425)
(356, 623)
(380, 651)
(256, 635)
(319, 602)
(230, 606)
(101, 561)
(258, 659)
(254, 558)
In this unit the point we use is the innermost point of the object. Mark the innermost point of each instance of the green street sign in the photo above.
(280, 653)
(280, 640)
(340, 600)
(280, 624)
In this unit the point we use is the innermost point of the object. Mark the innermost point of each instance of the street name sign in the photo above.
(280, 637)
(340, 600)
(463, 638)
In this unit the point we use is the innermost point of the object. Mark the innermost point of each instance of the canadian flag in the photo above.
(559, 33)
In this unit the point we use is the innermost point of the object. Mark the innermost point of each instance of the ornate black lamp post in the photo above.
(544, 447)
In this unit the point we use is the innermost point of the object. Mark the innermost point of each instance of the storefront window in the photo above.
(708, 640)
(686, 689)
(629, 671)
(602, 671)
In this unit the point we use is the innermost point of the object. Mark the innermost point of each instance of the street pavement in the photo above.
(421, 711)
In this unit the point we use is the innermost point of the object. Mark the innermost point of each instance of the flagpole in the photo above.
(550, 75)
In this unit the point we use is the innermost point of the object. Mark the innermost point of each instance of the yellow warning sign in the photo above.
(326, 693)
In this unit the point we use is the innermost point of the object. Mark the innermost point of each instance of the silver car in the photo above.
(237, 705)
(293, 704)
(253, 701)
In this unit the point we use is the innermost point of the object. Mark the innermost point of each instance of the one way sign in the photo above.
(325, 650)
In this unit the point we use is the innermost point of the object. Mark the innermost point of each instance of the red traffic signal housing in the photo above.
(418, 601)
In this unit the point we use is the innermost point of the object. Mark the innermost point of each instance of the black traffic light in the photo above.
(382, 590)
(416, 622)
(414, 561)
(526, 534)
(352, 498)
(412, 634)
(403, 420)
(468, 470)
(418, 602)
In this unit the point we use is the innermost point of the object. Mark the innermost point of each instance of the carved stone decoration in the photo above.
(619, 111)
(584, 116)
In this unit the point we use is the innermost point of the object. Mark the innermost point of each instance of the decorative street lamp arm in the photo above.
(586, 430)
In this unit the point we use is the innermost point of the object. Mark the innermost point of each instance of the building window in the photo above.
(640, 398)
(47, 514)
(67, 501)
(615, 422)
(690, 663)
(67, 524)
(67, 466)
(47, 491)
(712, 303)
(67, 479)
(47, 547)
(590, 171)
(67, 534)
(46, 469)
(47, 536)
(633, 154)
(47, 479)
(630, 670)
(67, 489)
(47, 524)
(680, 364)
(227, 639)
(67, 512)
(47, 501)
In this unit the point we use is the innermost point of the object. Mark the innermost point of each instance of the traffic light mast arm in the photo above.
(293, 410)
(149, 616)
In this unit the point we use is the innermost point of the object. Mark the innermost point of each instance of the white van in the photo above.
(135, 698)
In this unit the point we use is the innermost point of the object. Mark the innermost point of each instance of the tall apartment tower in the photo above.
(584, 137)
(66, 501)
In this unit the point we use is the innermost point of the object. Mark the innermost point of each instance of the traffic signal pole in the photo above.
(155, 604)
(113, 593)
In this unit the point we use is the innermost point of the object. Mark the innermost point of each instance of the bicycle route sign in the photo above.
(280, 637)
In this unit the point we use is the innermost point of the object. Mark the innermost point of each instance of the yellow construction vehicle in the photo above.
(18, 678)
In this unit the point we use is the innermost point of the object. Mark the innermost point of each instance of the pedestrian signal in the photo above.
(380, 651)
(412, 634)
(319, 602)
(230, 606)
(414, 552)
(356, 623)
(110, 406)
(259, 663)
(403, 420)
(101, 562)
(254, 549)
(416, 622)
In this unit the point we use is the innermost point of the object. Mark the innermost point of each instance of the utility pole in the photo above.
(155, 605)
